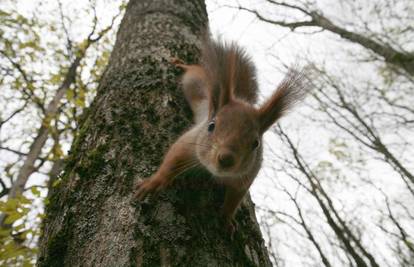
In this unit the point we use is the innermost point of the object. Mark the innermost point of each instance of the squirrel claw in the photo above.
(230, 224)
(148, 186)
(176, 61)
(231, 227)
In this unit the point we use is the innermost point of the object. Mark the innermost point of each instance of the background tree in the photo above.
(139, 109)
(49, 72)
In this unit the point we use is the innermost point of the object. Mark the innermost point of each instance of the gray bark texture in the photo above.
(139, 110)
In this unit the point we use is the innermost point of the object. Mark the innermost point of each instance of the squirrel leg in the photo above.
(194, 82)
(179, 158)
(232, 200)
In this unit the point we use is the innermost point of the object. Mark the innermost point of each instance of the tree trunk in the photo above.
(92, 219)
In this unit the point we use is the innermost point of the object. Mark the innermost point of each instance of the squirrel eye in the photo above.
(255, 144)
(211, 126)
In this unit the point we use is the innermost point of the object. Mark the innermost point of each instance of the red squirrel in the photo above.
(226, 138)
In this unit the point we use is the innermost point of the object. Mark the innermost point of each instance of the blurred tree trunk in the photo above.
(139, 110)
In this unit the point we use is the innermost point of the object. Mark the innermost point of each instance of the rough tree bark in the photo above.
(139, 110)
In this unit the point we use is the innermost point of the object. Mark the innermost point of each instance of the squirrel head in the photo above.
(232, 138)
(233, 134)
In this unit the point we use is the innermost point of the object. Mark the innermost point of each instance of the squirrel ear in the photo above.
(220, 95)
(220, 62)
(290, 91)
(221, 92)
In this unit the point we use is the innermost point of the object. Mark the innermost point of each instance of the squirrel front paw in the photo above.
(230, 224)
(148, 186)
(176, 61)
(179, 63)
(231, 227)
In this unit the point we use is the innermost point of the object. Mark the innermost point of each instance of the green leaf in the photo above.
(80, 102)
(12, 218)
(57, 151)
(24, 200)
(4, 232)
(56, 182)
(19, 227)
(30, 44)
(35, 191)
(9, 206)
(70, 94)
(56, 79)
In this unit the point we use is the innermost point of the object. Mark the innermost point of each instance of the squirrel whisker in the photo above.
(197, 144)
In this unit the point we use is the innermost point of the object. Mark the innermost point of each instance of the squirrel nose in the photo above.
(226, 160)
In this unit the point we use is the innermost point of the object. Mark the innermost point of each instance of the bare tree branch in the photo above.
(400, 59)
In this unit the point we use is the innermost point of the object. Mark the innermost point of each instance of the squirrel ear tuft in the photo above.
(290, 91)
(222, 92)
